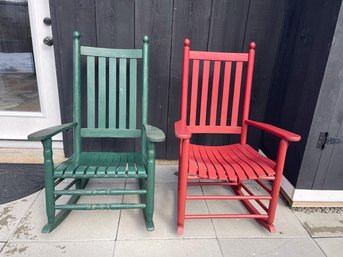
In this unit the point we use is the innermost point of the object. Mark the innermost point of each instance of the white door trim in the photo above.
(17, 125)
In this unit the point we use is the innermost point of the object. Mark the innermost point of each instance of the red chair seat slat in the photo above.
(257, 158)
(231, 162)
(260, 156)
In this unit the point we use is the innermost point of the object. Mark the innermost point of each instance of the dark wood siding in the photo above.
(219, 25)
(304, 48)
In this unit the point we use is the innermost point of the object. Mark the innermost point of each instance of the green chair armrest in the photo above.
(50, 132)
(154, 134)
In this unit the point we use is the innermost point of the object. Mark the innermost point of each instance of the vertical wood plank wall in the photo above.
(214, 25)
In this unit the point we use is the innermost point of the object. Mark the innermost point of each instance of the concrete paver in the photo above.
(168, 248)
(56, 249)
(12, 213)
(123, 233)
(299, 247)
(320, 224)
(332, 247)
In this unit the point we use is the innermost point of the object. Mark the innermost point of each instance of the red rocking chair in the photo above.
(228, 165)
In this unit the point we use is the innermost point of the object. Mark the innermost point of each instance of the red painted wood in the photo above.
(193, 166)
(281, 133)
(181, 130)
(228, 197)
(202, 169)
(204, 93)
(226, 92)
(215, 88)
(256, 159)
(237, 168)
(236, 93)
(260, 156)
(195, 79)
(230, 172)
(227, 165)
(252, 162)
(217, 56)
(220, 170)
(215, 129)
(247, 91)
(225, 216)
(185, 73)
(211, 170)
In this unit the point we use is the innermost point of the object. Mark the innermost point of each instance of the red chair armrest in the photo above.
(181, 130)
(281, 133)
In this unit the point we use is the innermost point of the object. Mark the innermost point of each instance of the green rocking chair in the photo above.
(111, 113)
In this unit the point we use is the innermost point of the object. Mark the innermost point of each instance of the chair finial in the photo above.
(252, 45)
(146, 39)
(187, 42)
(76, 34)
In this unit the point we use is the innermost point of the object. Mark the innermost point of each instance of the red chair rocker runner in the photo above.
(229, 165)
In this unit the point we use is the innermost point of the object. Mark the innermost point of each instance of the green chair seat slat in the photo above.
(80, 171)
(101, 171)
(90, 92)
(69, 172)
(59, 171)
(133, 93)
(90, 172)
(122, 93)
(131, 168)
(112, 94)
(122, 165)
(106, 52)
(102, 92)
(112, 169)
(140, 166)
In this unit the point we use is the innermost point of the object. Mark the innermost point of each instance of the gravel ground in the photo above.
(337, 210)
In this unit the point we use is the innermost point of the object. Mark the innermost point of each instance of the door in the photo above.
(28, 87)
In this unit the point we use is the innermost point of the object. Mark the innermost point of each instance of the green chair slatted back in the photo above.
(111, 76)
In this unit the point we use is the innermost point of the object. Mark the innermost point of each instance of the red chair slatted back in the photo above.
(215, 118)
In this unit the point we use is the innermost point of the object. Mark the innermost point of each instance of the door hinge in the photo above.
(324, 139)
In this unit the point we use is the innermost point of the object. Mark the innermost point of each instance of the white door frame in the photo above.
(17, 125)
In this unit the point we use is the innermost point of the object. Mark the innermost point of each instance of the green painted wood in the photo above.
(90, 172)
(154, 134)
(102, 93)
(77, 92)
(100, 206)
(118, 133)
(50, 132)
(112, 102)
(131, 169)
(100, 192)
(122, 93)
(101, 171)
(115, 53)
(90, 92)
(133, 93)
(121, 171)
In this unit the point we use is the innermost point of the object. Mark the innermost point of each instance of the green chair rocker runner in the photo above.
(111, 113)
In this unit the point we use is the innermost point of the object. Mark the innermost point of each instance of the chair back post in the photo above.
(145, 86)
(247, 93)
(77, 91)
(185, 72)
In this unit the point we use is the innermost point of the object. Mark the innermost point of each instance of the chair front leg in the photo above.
(49, 185)
(150, 186)
(182, 186)
(280, 162)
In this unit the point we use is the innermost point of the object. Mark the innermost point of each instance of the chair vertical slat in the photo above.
(226, 92)
(215, 87)
(203, 108)
(102, 93)
(90, 91)
(236, 93)
(122, 93)
(133, 93)
(195, 79)
(112, 98)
